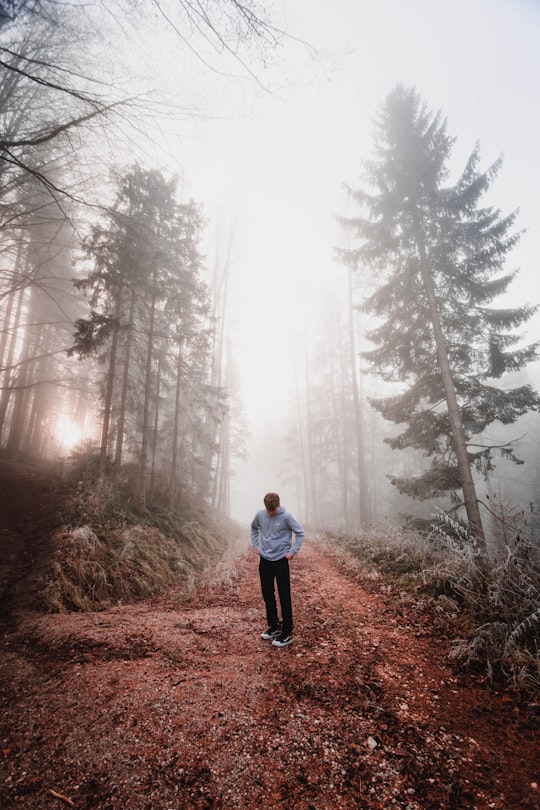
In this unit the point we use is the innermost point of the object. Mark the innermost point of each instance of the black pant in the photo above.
(277, 571)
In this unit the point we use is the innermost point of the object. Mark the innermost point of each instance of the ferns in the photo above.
(455, 536)
(505, 601)
(520, 632)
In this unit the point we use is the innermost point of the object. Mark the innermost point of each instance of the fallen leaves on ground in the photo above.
(180, 704)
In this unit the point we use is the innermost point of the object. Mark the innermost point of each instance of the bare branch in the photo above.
(44, 137)
(46, 83)
(55, 68)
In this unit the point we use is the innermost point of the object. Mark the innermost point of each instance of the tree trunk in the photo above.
(11, 295)
(359, 430)
(42, 427)
(147, 396)
(155, 428)
(219, 298)
(176, 426)
(223, 500)
(109, 390)
(343, 446)
(20, 402)
(125, 382)
(311, 484)
(454, 416)
(8, 375)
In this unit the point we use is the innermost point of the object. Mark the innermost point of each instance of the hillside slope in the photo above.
(180, 704)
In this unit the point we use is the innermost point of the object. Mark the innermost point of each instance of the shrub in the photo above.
(498, 604)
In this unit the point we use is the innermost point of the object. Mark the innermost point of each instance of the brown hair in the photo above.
(271, 501)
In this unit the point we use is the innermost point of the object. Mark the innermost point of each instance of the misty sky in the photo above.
(274, 159)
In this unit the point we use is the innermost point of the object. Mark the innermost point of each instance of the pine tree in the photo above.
(148, 323)
(439, 257)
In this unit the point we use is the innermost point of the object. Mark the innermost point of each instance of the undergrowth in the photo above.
(107, 552)
(495, 606)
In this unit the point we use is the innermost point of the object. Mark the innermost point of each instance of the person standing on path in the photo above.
(271, 537)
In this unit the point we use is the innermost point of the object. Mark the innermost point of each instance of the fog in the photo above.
(291, 157)
(263, 141)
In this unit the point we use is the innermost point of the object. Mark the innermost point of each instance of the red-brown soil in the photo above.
(173, 703)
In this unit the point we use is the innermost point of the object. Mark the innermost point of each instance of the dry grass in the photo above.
(108, 553)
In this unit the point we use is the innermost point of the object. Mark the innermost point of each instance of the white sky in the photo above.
(275, 162)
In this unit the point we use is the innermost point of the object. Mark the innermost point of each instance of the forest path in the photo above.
(180, 704)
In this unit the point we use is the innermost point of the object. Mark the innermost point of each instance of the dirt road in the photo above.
(175, 704)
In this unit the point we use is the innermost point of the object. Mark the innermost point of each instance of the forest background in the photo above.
(261, 140)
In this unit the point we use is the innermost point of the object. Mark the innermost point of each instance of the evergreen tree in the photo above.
(148, 322)
(439, 257)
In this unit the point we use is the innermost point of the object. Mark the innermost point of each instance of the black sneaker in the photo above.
(272, 632)
(282, 641)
